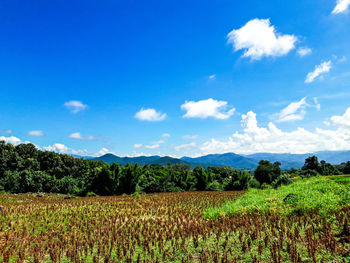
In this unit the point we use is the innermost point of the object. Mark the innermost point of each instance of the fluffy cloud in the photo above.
(293, 112)
(258, 38)
(304, 51)
(36, 133)
(341, 7)
(165, 135)
(78, 136)
(138, 145)
(185, 146)
(75, 106)
(150, 115)
(343, 120)
(57, 147)
(272, 139)
(207, 108)
(11, 139)
(321, 69)
(101, 152)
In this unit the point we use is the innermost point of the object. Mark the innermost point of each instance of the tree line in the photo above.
(24, 168)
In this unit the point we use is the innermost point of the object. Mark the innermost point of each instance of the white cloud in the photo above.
(57, 147)
(343, 120)
(6, 132)
(323, 68)
(212, 77)
(207, 108)
(101, 152)
(150, 115)
(341, 7)
(185, 146)
(165, 135)
(78, 136)
(155, 145)
(75, 106)
(304, 51)
(11, 139)
(272, 139)
(190, 137)
(293, 112)
(138, 145)
(258, 38)
(36, 133)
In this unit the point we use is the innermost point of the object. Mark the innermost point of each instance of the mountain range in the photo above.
(238, 161)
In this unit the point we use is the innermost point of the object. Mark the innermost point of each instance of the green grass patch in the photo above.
(315, 194)
(342, 179)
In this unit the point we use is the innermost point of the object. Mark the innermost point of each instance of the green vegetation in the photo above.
(24, 168)
(317, 194)
(343, 179)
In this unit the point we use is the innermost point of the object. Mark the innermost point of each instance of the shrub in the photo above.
(284, 179)
(90, 194)
(253, 183)
(214, 186)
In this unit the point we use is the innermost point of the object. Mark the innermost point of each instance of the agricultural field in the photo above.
(168, 227)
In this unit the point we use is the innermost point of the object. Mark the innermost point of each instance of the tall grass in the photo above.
(317, 194)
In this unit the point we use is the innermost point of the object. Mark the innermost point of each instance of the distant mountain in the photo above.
(249, 161)
(297, 160)
(229, 159)
(169, 160)
(141, 160)
(334, 157)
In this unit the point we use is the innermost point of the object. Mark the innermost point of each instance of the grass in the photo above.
(318, 194)
(342, 179)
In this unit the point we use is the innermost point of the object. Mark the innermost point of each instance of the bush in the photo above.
(214, 186)
(284, 179)
(90, 194)
(266, 186)
(253, 183)
(308, 173)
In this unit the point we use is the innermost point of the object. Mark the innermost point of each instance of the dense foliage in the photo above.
(24, 168)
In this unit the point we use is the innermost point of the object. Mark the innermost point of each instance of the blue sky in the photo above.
(175, 77)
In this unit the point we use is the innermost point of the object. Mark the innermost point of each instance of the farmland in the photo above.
(167, 227)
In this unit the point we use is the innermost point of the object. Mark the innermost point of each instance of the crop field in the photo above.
(166, 227)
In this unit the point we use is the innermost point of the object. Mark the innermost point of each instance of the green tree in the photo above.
(266, 172)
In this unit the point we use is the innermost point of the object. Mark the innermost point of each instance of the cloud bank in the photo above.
(255, 139)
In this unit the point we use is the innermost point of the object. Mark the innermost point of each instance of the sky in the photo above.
(177, 78)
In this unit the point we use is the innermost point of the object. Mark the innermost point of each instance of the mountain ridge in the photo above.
(240, 161)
